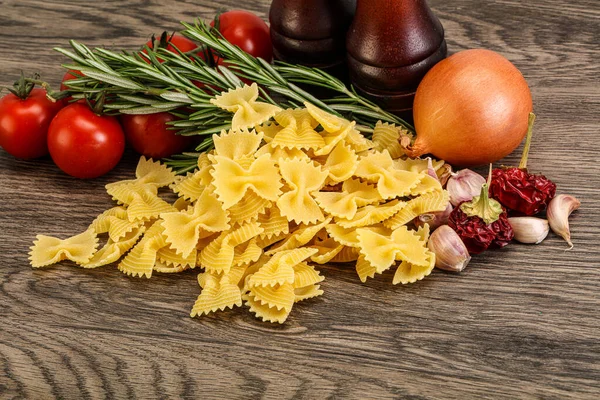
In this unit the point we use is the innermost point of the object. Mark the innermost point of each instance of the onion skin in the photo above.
(471, 109)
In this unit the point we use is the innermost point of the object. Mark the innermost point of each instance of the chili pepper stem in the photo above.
(523, 163)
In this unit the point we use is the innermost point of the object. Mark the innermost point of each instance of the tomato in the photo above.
(24, 123)
(149, 135)
(70, 74)
(248, 31)
(181, 42)
(83, 144)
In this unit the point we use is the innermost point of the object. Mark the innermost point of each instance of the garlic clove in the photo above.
(464, 185)
(530, 230)
(558, 212)
(451, 254)
(434, 219)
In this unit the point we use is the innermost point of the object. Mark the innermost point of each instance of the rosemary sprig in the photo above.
(158, 80)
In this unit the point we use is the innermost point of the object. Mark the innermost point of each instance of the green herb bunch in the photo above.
(158, 80)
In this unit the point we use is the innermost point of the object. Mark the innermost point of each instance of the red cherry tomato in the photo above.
(24, 123)
(71, 74)
(150, 135)
(83, 144)
(181, 42)
(248, 31)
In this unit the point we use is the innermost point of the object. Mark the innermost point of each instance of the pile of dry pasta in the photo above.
(283, 191)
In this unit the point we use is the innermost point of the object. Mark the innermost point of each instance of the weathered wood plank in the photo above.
(521, 322)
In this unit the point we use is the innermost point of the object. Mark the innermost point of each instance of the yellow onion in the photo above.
(471, 109)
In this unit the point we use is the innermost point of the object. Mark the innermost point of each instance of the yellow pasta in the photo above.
(112, 250)
(47, 250)
(217, 294)
(387, 137)
(273, 200)
(300, 237)
(298, 131)
(303, 178)
(248, 112)
(430, 202)
(183, 228)
(410, 273)
(378, 168)
(341, 163)
(345, 204)
(382, 251)
(280, 268)
(370, 215)
(232, 181)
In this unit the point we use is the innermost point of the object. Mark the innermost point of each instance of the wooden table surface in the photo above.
(522, 322)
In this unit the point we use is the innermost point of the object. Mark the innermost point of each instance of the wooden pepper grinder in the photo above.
(391, 44)
(311, 32)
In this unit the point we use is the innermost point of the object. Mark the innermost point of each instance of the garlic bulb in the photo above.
(434, 219)
(529, 230)
(558, 212)
(451, 254)
(464, 185)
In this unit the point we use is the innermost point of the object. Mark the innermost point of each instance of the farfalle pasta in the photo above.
(247, 111)
(283, 192)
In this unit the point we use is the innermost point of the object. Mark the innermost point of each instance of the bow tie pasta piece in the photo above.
(382, 251)
(192, 186)
(237, 144)
(273, 223)
(327, 250)
(148, 172)
(371, 215)
(426, 185)
(269, 130)
(112, 250)
(248, 209)
(47, 250)
(427, 203)
(183, 228)
(335, 138)
(217, 294)
(329, 122)
(101, 224)
(410, 273)
(417, 164)
(247, 253)
(364, 269)
(307, 292)
(358, 142)
(248, 112)
(303, 177)
(378, 168)
(281, 297)
(298, 131)
(349, 236)
(232, 181)
(300, 237)
(387, 137)
(141, 259)
(278, 154)
(306, 275)
(344, 204)
(219, 255)
(341, 163)
(145, 205)
(264, 312)
(170, 258)
(348, 254)
(280, 268)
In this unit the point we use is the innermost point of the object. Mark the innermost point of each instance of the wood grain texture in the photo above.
(522, 322)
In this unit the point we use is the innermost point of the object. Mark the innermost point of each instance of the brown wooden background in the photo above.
(522, 322)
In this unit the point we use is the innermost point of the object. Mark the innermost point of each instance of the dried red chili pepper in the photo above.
(481, 223)
(519, 190)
